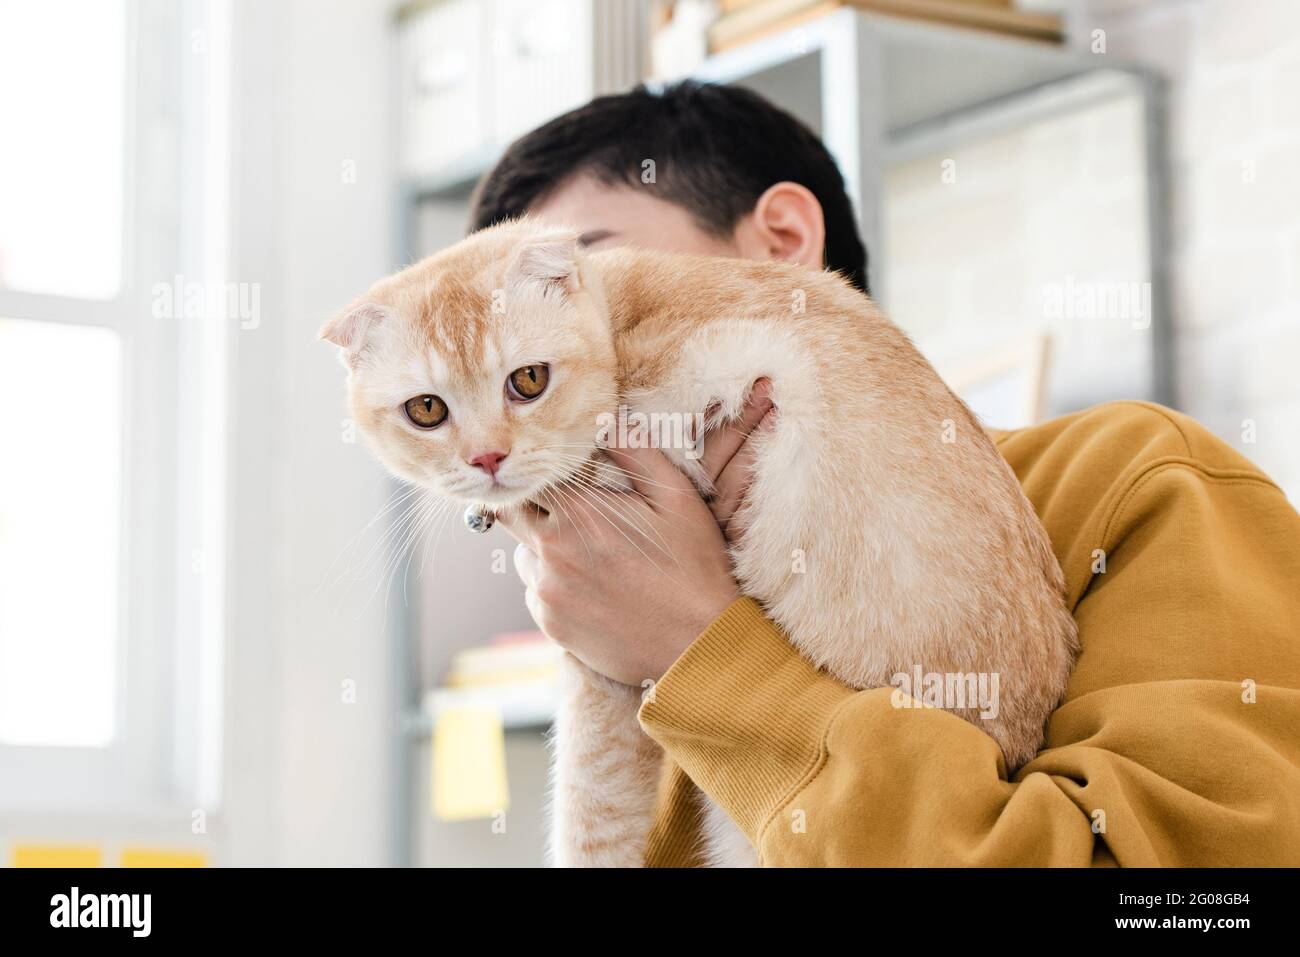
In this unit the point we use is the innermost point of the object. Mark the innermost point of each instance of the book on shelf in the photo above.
(515, 675)
(508, 658)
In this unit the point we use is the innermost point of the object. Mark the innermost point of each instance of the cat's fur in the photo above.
(882, 529)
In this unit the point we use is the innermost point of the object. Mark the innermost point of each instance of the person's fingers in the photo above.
(534, 607)
(526, 565)
(526, 523)
(722, 445)
(733, 484)
(653, 476)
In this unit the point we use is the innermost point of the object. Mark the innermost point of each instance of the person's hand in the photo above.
(729, 458)
(626, 581)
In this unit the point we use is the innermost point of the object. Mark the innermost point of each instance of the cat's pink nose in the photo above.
(489, 461)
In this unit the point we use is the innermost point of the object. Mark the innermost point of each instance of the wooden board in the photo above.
(775, 16)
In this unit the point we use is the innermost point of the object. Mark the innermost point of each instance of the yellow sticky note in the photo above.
(157, 857)
(56, 855)
(469, 763)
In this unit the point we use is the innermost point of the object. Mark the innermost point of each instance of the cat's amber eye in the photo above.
(529, 382)
(426, 411)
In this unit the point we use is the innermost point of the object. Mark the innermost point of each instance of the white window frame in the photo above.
(165, 754)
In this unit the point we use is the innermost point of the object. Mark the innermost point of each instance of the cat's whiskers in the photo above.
(584, 477)
(601, 466)
(612, 495)
(369, 563)
(429, 511)
(379, 547)
(588, 472)
(605, 466)
(399, 539)
(574, 487)
(442, 525)
(397, 498)
(419, 539)
(602, 502)
(558, 507)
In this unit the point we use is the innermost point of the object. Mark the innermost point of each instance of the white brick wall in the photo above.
(972, 256)
(1234, 67)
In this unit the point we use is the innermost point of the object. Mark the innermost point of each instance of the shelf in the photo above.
(926, 71)
(867, 83)
(529, 706)
(456, 180)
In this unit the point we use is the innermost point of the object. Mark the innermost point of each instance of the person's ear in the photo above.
(787, 223)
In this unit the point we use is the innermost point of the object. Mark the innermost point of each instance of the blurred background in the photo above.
(227, 638)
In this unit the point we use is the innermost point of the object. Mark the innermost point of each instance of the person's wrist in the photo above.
(711, 608)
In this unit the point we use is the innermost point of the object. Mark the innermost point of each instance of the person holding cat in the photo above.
(1175, 743)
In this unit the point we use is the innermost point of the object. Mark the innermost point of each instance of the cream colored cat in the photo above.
(883, 532)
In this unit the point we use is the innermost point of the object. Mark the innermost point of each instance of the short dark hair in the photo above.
(717, 149)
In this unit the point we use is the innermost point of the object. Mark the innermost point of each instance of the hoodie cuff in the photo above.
(744, 715)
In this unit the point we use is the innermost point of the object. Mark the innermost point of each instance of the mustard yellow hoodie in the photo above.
(1178, 742)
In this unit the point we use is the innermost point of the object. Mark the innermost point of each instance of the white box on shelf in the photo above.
(476, 74)
(542, 62)
(524, 704)
(442, 83)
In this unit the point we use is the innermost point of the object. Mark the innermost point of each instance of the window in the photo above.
(61, 227)
(106, 675)
(60, 522)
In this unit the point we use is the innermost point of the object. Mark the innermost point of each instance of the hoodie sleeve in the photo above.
(1175, 744)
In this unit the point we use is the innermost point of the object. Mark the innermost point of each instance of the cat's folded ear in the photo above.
(549, 260)
(349, 328)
